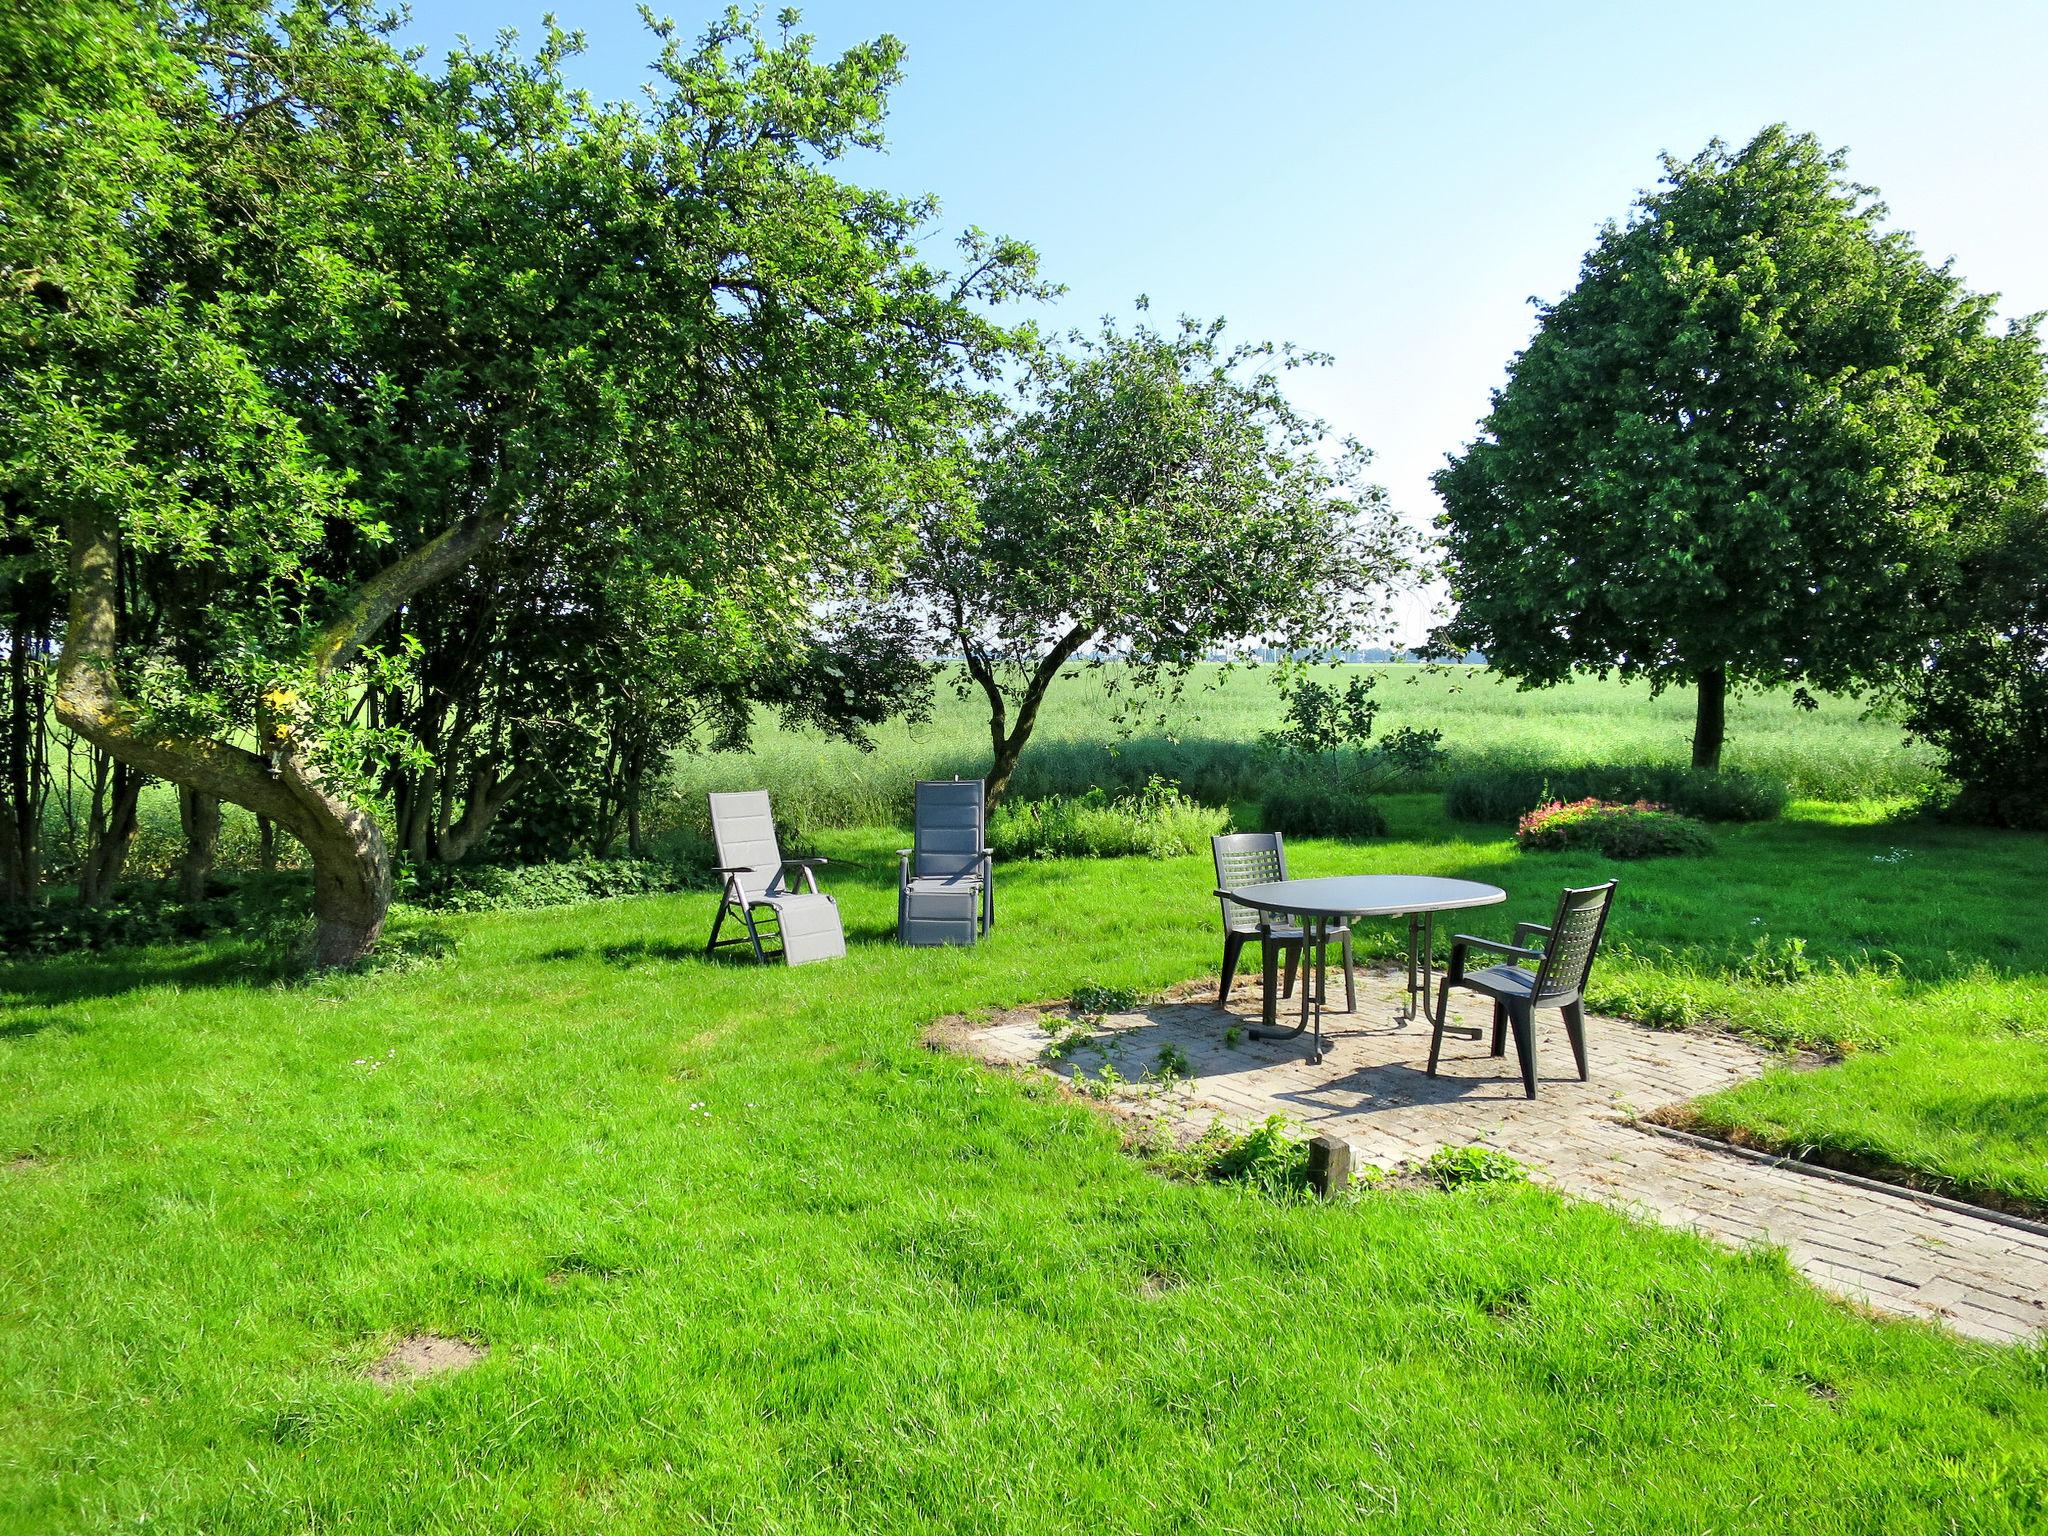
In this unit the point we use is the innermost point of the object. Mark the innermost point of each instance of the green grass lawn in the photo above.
(748, 1257)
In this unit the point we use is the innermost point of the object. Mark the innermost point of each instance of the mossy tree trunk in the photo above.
(351, 864)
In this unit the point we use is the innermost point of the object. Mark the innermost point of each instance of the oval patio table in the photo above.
(1326, 899)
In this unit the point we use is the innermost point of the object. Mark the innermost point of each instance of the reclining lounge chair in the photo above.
(802, 925)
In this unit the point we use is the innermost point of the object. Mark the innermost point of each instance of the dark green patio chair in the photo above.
(1256, 858)
(1571, 939)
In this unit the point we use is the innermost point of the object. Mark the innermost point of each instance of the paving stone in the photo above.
(1887, 1249)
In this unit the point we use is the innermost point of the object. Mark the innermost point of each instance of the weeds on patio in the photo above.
(1455, 1167)
(1068, 1042)
(1093, 1001)
(1172, 1064)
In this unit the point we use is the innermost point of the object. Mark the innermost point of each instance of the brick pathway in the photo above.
(1887, 1249)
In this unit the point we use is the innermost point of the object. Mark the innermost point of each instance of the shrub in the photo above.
(1158, 821)
(1639, 831)
(1982, 703)
(518, 887)
(1322, 766)
(1505, 792)
(1320, 810)
(1330, 734)
(1774, 962)
(141, 913)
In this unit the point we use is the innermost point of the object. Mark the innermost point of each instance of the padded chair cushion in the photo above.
(809, 924)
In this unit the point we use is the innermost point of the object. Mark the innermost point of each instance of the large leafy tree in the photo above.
(358, 328)
(1728, 455)
(1981, 696)
(138, 434)
(1150, 498)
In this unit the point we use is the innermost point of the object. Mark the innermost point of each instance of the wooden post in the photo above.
(1329, 1165)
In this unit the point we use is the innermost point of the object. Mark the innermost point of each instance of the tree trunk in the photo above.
(1007, 750)
(112, 830)
(351, 889)
(1010, 746)
(199, 814)
(1007, 744)
(636, 772)
(266, 845)
(1710, 726)
(485, 796)
(27, 767)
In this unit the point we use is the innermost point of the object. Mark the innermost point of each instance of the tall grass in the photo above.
(1208, 743)
(1157, 821)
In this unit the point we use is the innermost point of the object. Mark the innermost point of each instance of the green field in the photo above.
(1206, 740)
(748, 1256)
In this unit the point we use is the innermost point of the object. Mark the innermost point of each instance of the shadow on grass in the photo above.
(2009, 1116)
(638, 951)
(35, 1024)
(101, 973)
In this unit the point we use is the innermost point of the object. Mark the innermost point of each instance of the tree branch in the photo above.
(440, 557)
(89, 698)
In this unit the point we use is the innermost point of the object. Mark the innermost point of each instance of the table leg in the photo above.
(1407, 1013)
(1311, 990)
(1428, 960)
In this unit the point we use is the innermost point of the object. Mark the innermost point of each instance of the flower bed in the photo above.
(1642, 830)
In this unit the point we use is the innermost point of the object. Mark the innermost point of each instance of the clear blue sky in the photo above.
(1392, 182)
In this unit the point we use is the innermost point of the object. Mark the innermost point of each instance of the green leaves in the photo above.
(1739, 442)
(613, 408)
(1152, 496)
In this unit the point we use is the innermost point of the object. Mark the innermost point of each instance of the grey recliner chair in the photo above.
(1258, 858)
(945, 882)
(804, 925)
(1571, 939)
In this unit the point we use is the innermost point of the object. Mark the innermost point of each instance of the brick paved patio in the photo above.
(1887, 1249)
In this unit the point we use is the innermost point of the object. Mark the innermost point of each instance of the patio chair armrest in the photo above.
(1523, 930)
(809, 866)
(1473, 941)
(1454, 972)
(1460, 942)
(732, 869)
